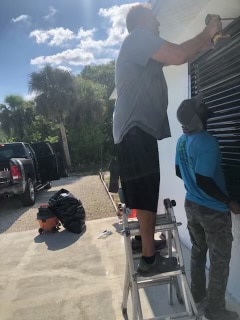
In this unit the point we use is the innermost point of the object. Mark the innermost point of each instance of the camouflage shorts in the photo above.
(209, 230)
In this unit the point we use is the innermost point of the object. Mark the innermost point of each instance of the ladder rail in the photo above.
(133, 281)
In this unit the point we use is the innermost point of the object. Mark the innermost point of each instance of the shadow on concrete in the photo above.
(58, 240)
(118, 227)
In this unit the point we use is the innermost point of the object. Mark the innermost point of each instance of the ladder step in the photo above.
(179, 315)
(158, 282)
(160, 276)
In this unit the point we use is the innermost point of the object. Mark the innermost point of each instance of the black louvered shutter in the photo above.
(217, 74)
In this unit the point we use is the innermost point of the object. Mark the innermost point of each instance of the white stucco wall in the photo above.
(171, 186)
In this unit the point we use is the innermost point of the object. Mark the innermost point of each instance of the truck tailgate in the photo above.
(4, 172)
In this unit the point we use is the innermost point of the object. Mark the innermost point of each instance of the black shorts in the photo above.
(139, 170)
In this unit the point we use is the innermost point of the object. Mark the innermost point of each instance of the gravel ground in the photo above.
(89, 189)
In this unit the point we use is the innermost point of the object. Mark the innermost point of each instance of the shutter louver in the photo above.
(217, 75)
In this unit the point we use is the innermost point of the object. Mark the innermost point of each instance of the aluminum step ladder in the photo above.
(166, 224)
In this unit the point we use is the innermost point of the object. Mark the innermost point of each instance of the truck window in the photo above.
(8, 151)
(29, 150)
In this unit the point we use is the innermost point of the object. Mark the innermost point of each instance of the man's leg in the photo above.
(140, 177)
(219, 239)
(151, 263)
(147, 221)
(198, 253)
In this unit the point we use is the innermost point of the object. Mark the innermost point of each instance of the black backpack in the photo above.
(69, 210)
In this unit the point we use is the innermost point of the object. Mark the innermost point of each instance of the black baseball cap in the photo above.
(187, 113)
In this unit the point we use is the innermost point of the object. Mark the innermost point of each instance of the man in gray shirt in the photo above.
(140, 118)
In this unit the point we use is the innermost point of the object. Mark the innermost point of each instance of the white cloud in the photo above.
(90, 44)
(22, 18)
(52, 12)
(102, 61)
(31, 96)
(116, 32)
(58, 36)
(54, 37)
(72, 57)
(85, 33)
(65, 68)
(40, 36)
(116, 16)
(89, 50)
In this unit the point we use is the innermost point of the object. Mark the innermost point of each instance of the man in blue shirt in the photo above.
(208, 206)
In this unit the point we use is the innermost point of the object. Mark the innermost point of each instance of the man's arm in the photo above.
(208, 185)
(174, 54)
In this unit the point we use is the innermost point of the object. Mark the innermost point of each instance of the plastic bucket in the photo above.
(133, 214)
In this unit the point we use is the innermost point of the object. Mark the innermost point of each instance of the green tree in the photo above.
(89, 106)
(77, 104)
(101, 74)
(55, 89)
(3, 137)
(19, 121)
(84, 122)
(104, 75)
(5, 116)
(12, 117)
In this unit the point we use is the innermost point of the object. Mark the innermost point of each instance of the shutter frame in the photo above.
(216, 73)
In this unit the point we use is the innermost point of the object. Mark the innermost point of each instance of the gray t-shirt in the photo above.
(142, 96)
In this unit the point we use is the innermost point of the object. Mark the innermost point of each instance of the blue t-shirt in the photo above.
(142, 96)
(200, 153)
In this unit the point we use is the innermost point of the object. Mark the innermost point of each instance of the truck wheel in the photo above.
(28, 197)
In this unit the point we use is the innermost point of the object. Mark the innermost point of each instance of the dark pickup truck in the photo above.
(22, 173)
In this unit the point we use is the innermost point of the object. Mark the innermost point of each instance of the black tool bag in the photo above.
(69, 210)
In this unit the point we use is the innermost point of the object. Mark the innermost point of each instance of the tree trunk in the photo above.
(65, 145)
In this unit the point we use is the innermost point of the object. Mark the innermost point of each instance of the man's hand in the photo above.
(234, 207)
(214, 25)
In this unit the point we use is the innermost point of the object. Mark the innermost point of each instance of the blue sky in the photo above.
(68, 34)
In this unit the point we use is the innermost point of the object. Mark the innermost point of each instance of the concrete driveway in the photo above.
(65, 276)
(61, 275)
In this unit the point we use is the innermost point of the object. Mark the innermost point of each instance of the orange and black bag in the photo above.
(69, 210)
(47, 220)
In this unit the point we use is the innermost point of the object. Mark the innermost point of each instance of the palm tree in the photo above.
(12, 117)
(55, 90)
